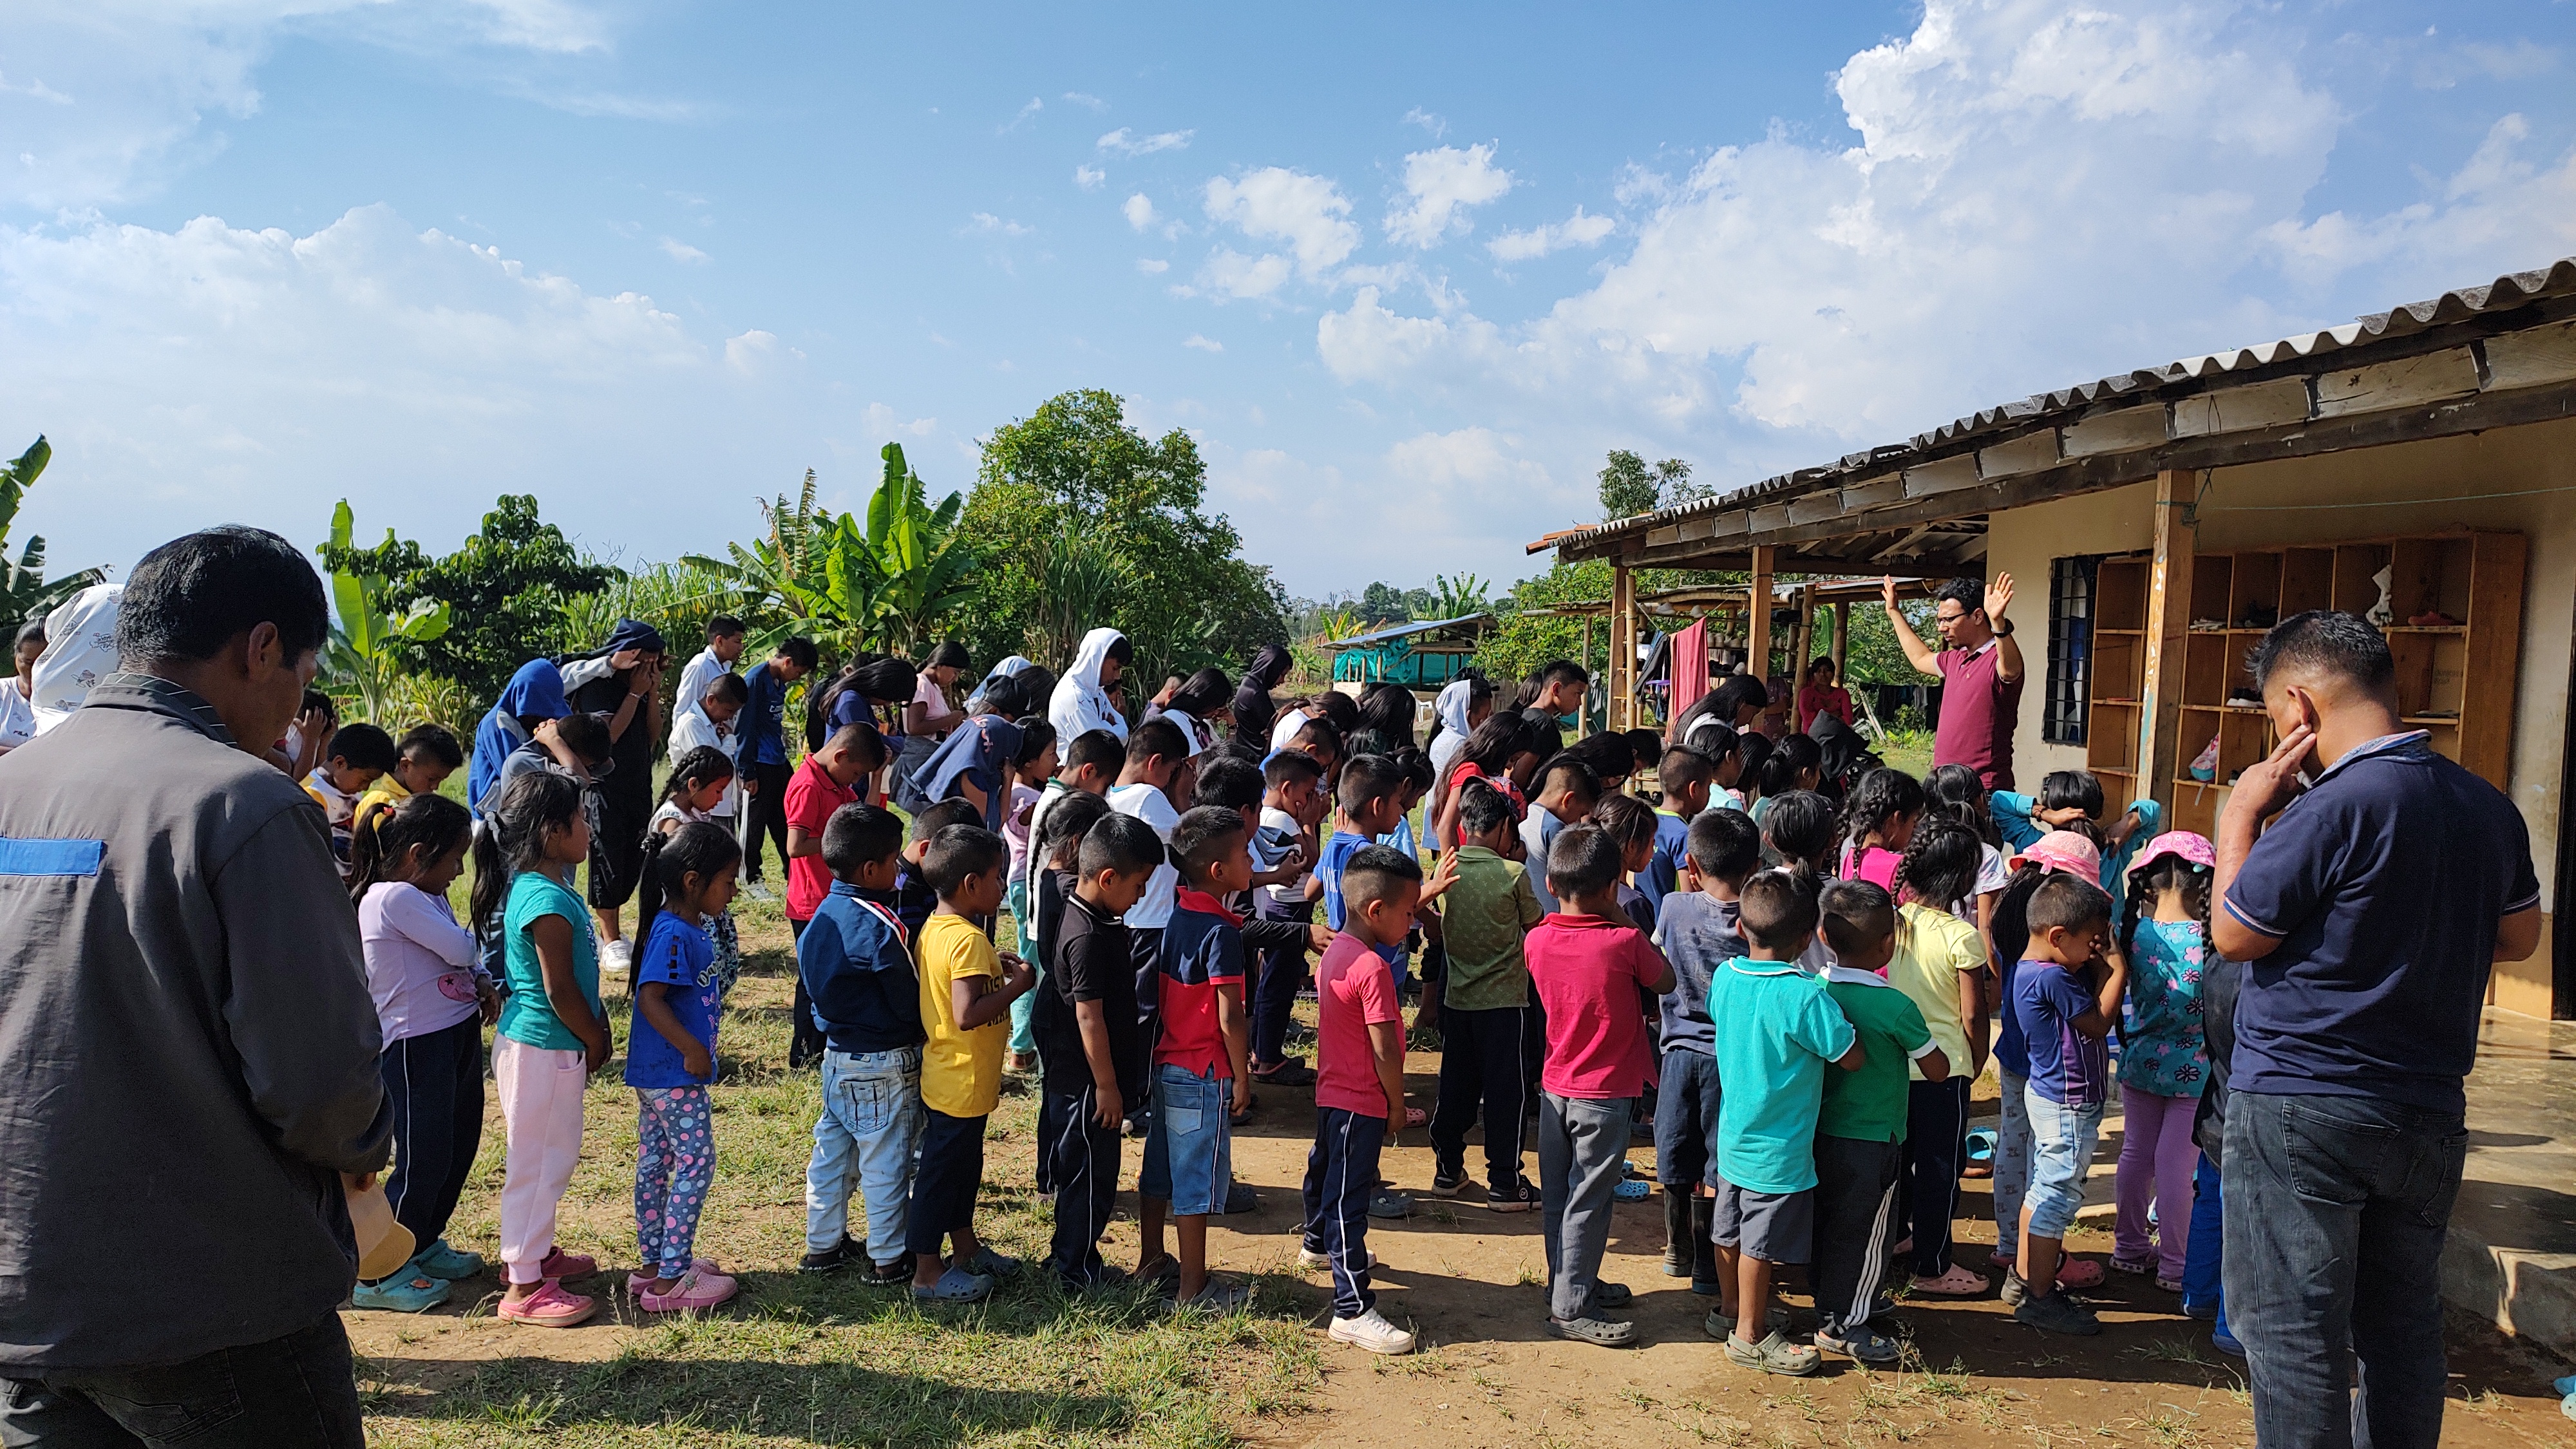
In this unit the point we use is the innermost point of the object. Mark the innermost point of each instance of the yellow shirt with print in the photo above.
(385, 793)
(1932, 948)
(961, 1070)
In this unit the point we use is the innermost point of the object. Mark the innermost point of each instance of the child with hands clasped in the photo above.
(1359, 1086)
(553, 1031)
(2164, 1058)
(1200, 1080)
(966, 995)
(1090, 1043)
(2065, 993)
(688, 877)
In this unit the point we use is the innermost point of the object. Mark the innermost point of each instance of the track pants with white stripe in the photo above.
(1856, 1227)
(1341, 1174)
(1078, 1162)
(435, 1082)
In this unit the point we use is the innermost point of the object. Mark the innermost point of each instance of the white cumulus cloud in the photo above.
(680, 251)
(1202, 343)
(1139, 211)
(1126, 142)
(1089, 178)
(1439, 186)
(1578, 230)
(1275, 204)
(991, 225)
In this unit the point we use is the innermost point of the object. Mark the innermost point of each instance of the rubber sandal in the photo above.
(1961, 1281)
(955, 1286)
(1415, 1117)
(1314, 1262)
(1718, 1325)
(696, 1292)
(1635, 1189)
(2079, 1273)
(1861, 1345)
(2169, 1285)
(560, 1264)
(1383, 1204)
(439, 1260)
(988, 1264)
(636, 1280)
(2137, 1268)
(1290, 1073)
(1601, 1333)
(1773, 1355)
(1218, 1296)
(412, 1292)
(549, 1307)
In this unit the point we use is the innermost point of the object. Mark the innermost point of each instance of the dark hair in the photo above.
(1726, 702)
(699, 767)
(1007, 696)
(958, 853)
(2010, 925)
(1120, 650)
(1712, 738)
(874, 678)
(952, 811)
(1199, 841)
(433, 742)
(2071, 790)
(949, 655)
(1491, 745)
(1096, 749)
(1203, 694)
(1780, 771)
(1940, 863)
(363, 747)
(1414, 765)
(513, 838)
(1583, 859)
(1559, 671)
(1067, 820)
(1366, 778)
(1777, 909)
(2064, 902)
(315, 699)
(585, 735)
(1820, 664)
(1800, 826)
(1881, 795)
(2323, 640)
(1643, 745)
(31, 632)
(1289, 764)
(1627, 818)
(1318, 730)
(1372, 874)
(1607, 756)
(1682, 767)
(1482, 808)
(1724, 845)
(1752, 752)
(1120, 843)
(196, 593)
(1956, 792)
(1229, 781)
(1157, 739)
(1036, 738)
(1367, 741)
(862, 739)
(1578, 775)
(1857, 914)
(700, 848)
(433, 823)
(1968, 594)
(2168, 872)
(798, 650)
(1389, 708)
(723, 626)
(859, 834)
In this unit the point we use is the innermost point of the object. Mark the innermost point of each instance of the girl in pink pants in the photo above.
(553, 1032)
(2163, 1062)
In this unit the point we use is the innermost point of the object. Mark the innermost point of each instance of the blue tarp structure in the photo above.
(1425, 654)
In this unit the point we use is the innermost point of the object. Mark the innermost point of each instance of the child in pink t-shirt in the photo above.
(1878, 823)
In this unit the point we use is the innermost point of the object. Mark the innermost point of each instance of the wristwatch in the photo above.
(2003, 628)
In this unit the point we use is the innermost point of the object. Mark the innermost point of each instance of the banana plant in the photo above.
(24, 593)
(1459, 597)
(920, 560)
(365, 654)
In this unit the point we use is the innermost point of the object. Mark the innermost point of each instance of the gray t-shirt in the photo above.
(1698, 934)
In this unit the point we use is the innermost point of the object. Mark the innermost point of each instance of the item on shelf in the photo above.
(2433, 619)
(2209, 626)
(2204, 766)
(2384, 613)
(2243, 696)
(2259, 616)
(2437, 714)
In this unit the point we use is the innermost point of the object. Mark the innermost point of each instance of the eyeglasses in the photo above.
(1949, 618)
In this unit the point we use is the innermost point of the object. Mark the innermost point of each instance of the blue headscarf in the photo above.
(536, 691)
(980, 750)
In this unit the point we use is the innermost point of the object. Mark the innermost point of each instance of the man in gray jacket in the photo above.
(187, 1045)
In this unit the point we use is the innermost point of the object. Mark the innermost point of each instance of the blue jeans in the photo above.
(2316, 1188)
(1188, 1150)
(865, 1138)
(2200, 1281)
(2061, 1152)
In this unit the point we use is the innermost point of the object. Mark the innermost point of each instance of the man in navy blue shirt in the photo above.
(2371, 912)
(760, 753)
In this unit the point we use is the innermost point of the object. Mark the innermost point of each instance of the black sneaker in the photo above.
(1449, 1181)
(2058, 1313)
(888, 1275)
(836, 1256)
(1240, 1198)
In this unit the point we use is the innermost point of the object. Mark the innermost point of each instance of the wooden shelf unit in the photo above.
(2118, 678)
(2456, 681)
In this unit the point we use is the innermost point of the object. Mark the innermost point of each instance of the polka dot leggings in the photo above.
(675, 1163)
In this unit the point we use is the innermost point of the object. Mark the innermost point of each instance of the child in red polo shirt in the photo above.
(1589, 964)
(1199, 1081)
(826, 781)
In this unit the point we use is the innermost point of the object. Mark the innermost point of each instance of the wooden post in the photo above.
(1842, 640)
(1583, 709)
(1757, 620)
(1806, 644)
(2168, 629)
(1622, 672)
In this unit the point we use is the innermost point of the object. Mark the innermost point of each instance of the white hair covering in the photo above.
(80, 650)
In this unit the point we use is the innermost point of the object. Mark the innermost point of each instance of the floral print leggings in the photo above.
(675, 1163)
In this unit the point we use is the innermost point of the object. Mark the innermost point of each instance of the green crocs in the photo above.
(409, 1291)
(439, 1260)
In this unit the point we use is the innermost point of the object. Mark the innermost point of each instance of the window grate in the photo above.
(2070, 648)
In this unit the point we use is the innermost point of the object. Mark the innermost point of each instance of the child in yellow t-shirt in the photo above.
(966, 993)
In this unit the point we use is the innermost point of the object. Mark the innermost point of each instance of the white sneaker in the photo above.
(1371, 1331)
(617, 957)
(759, 892)
(1314, 1262)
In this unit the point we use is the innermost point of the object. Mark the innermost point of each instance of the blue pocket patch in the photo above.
(51, 857)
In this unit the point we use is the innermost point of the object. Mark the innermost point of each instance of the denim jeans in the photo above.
(296, 1392)
(2200, 1282)
(2062, 1139)
(2336, 1211)
(871, 1124)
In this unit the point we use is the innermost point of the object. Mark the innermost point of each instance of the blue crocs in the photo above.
(409, 1291)
(439, 1260)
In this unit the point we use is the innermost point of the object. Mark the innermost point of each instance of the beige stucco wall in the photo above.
(2402, 489)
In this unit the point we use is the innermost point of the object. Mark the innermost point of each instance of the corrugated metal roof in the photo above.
(2464, 304)
(1405, 631)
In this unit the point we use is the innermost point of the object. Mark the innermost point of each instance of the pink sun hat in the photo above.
(2063, 850)
(2188, 845)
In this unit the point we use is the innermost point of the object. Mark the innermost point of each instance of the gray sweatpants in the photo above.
(1582, 1155)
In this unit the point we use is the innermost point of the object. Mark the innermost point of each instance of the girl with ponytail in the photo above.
(698, 781)
(671, 1060)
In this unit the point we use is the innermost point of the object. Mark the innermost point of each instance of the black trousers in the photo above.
(1482, 1073)
(1078, 1162)
(1856, 1225)
(765, 813)
(618, 817)
(295, 1392)
(1274, 995)
(435, 1083)
(943, 1189)
(805, 1041)
(1936, 1132)
(1341, 1174)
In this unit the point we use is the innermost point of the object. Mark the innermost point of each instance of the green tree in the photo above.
(504, 591)
(24, 593)
(1183, 594)
(1630, 485)
(1382, 603)
(364, 657)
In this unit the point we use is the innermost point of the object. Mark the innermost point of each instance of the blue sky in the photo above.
(1405, 276)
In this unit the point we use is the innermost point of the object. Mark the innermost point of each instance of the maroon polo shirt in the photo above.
(1978, 711)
